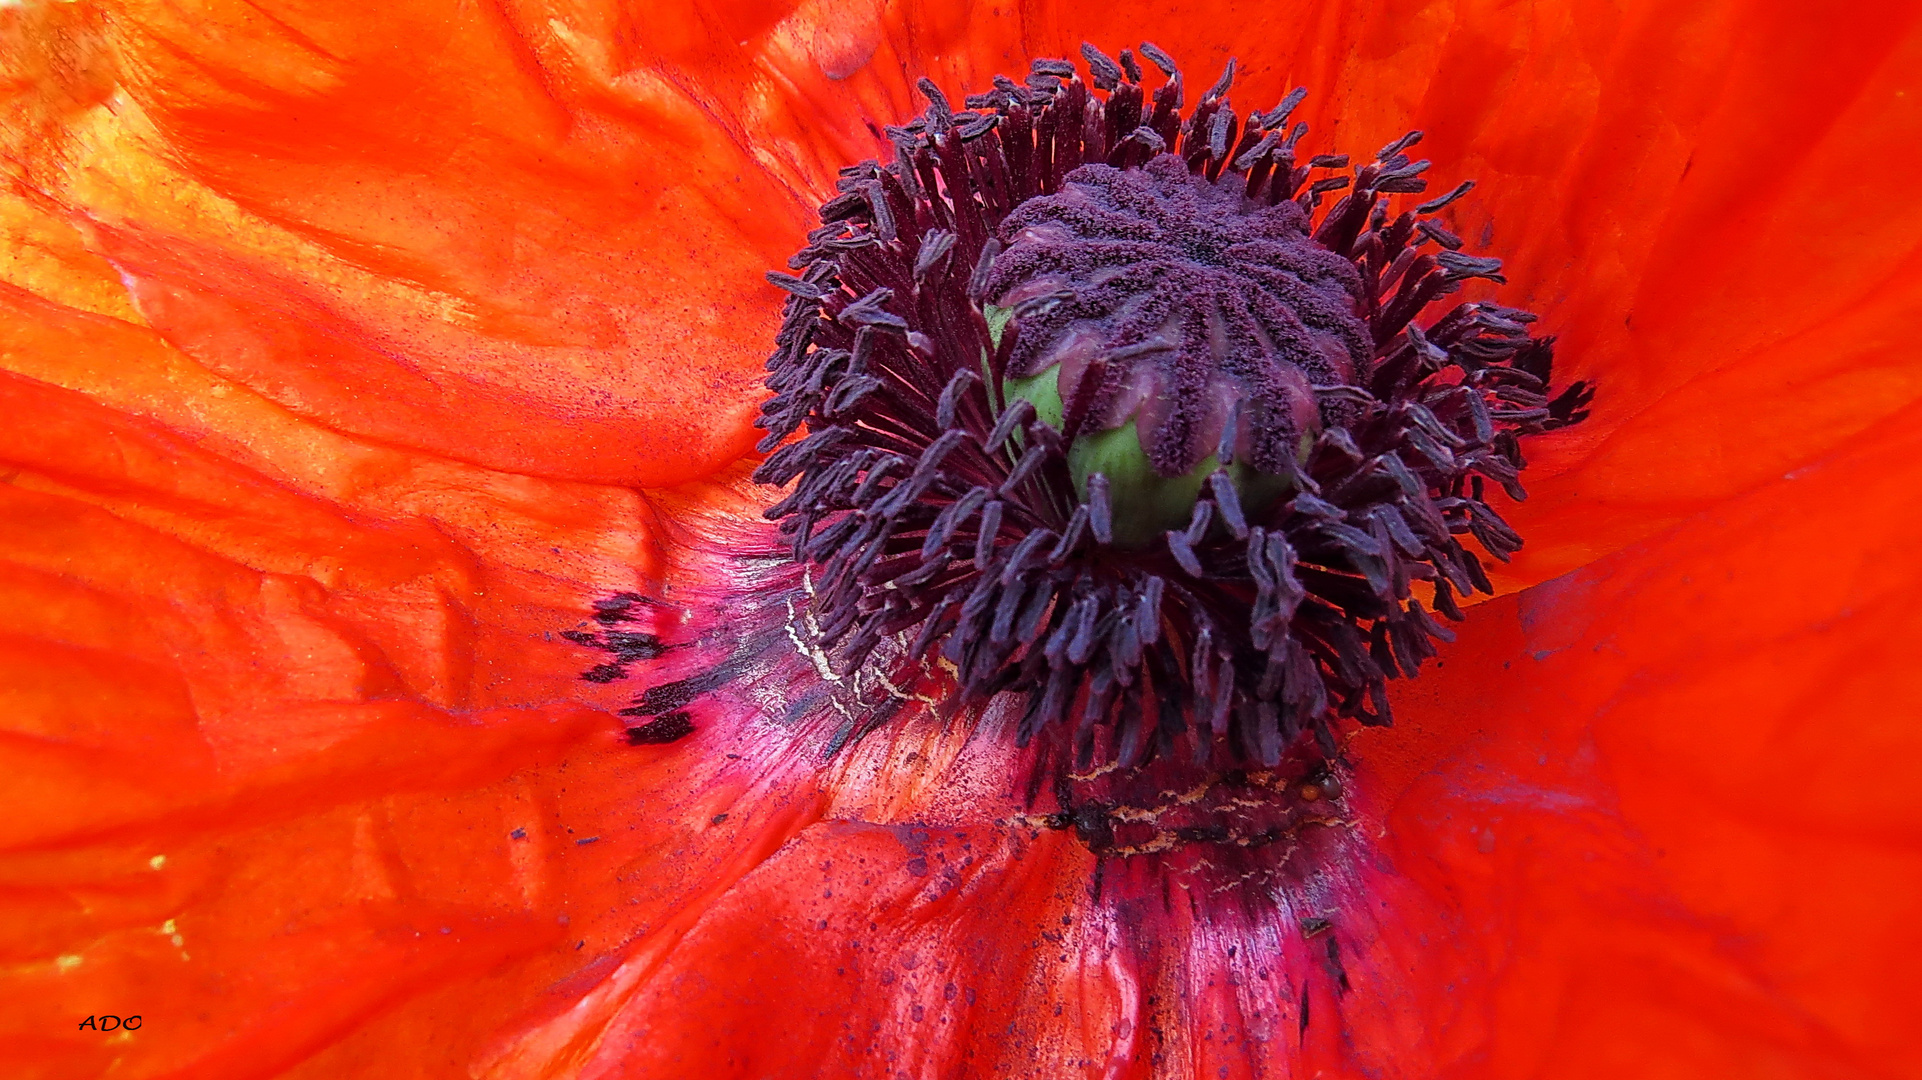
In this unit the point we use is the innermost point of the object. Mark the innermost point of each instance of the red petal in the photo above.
(408, 228)
(234, 669)
(1721, 220)
(1624, 179)
(928, 951)
(1666, 803)
(1654, 817)
(242, 579)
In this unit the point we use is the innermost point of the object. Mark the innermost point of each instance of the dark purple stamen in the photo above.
(1182, 272)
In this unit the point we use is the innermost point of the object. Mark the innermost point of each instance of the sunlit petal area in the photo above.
(399, 676)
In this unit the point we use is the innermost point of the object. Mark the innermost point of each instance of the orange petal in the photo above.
(228, 649)
(262, 912)
(424, 579)
(1718, 218)
(411, 228)
(1612, 832)
(932, 951)
(230, 810)
(1622, 181)
(202, 569)
(1666, 803)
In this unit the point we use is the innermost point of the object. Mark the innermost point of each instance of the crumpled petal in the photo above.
(501, 242)
(494, 234)
(1666, 802)
(1717, 216)
(332, 331)
(293, 747)
(925, 951)
(1613, 832)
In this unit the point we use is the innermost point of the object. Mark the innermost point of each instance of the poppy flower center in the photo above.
(1091, 406)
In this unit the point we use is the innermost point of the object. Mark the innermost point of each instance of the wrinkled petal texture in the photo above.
(517, 222)
(347, 351)
(1670, 798)
(431, 230)
(1685, 194)
(1655, 818)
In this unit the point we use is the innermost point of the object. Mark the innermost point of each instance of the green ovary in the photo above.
(1146, 504)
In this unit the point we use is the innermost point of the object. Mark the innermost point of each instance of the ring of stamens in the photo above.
(939, 512)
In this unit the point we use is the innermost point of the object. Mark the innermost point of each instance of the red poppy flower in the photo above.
(353, 356)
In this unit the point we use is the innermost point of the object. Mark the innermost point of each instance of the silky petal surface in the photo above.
(294, 748)
(430, 229)
(1666, 800)
(344, 340)
(1685, 196)
(1612, 833)
(517, 238)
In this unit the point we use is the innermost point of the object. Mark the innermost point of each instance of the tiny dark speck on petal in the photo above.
(918, 867)
(717, 819)
(519, 834)
(585, 840)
